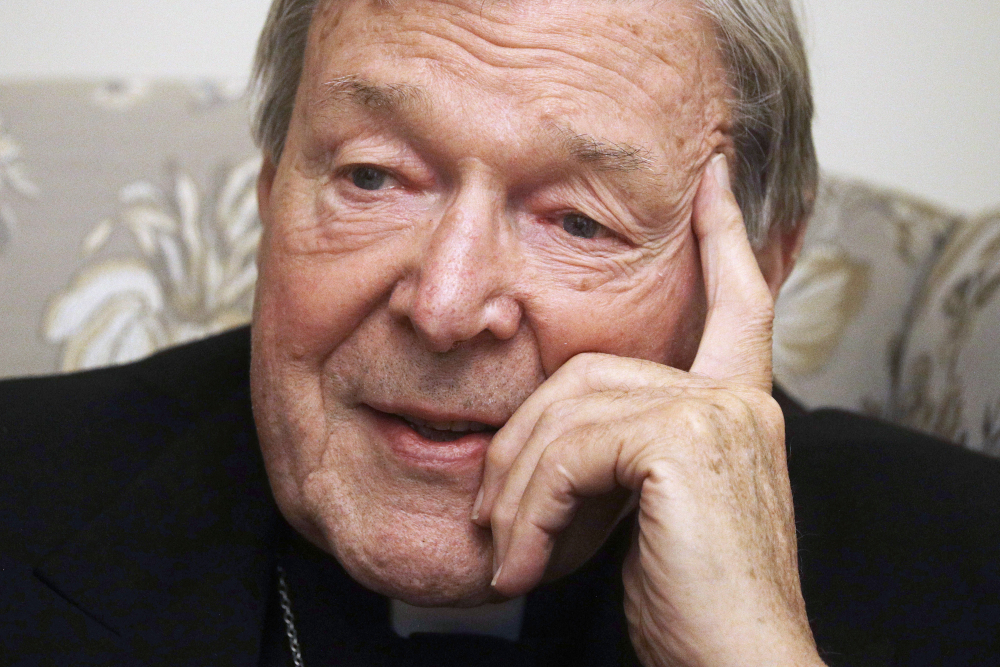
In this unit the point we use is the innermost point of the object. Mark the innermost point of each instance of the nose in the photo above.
(462, 282)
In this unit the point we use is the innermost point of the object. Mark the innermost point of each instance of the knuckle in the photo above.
(697, 417)
(758, 406)
(556, 415)
(740, 411)
(503, 512)
(626, 397)
(589, 368)
(768, 409)
(558, 481)
(719, 411)
(770, 418)
(550, 464)
(498, 458)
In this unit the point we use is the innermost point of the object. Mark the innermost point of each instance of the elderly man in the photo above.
(509, 316)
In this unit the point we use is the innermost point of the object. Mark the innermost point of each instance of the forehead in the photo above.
(621, 67)
(638, 78)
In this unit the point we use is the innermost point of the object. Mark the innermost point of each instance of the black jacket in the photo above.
(137, 528)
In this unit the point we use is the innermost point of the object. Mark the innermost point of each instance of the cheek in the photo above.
(309, 304)
(658, 315)
(324, 266)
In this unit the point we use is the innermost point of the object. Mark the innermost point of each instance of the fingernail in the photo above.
(496, 576)
(477, 505)
(721, 166)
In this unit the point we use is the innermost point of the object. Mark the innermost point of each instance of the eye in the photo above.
(577, 224)
(368, 178)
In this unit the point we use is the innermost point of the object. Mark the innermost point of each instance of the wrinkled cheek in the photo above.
(658, 317)
(673, 313)
(308, 305)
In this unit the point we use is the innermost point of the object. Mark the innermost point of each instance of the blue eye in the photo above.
(368, 178)
(581, 226)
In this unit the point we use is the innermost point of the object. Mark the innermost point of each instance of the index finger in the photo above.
(736, 343)
(585, 374)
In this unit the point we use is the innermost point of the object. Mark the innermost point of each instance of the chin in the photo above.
(426, 585)
(428, 557)
(447, 568)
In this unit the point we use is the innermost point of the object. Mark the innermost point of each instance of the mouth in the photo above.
(445, 431)
(433, 441)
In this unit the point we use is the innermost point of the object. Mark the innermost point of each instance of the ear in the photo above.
(778, 255)
(265, 181)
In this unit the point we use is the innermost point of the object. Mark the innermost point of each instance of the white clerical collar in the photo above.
(498, 620)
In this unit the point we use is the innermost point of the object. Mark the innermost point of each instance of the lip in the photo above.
(434, 415)
(408, 444)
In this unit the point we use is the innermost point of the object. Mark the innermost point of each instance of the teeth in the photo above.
(458, 426)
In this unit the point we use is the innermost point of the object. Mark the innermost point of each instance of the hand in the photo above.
(711, 577)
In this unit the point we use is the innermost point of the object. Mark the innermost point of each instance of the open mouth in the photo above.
(445, 431)
(434, 441)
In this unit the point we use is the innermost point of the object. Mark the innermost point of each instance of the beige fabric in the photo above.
(128, 223)
(949, 382)
(129, 219)
(844, 311)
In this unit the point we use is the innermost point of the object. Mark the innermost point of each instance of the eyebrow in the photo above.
(395, 98)
(604, 155)
(389, 99)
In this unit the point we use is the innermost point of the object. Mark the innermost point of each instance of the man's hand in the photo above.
(712, 575)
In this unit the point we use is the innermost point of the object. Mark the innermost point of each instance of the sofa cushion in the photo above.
(842, 314)
(127, 219)
(948, 383)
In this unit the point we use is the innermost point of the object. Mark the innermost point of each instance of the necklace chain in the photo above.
(289, 618)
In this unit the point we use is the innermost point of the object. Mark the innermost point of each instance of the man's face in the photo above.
(470, 194)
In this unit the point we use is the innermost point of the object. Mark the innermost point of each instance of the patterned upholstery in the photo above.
(893, 310)
(128, 223)
(843, 313)
(131, 220)
(948, 382)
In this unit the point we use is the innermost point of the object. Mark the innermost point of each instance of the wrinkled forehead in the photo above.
(658, 53)
(650, 21)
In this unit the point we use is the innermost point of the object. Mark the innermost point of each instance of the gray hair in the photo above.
(775, 173)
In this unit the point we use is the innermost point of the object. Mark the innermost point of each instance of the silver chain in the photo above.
(289, 618)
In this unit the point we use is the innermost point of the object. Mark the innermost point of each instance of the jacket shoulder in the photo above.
(72, 442)
(899, 539)
(876, 472)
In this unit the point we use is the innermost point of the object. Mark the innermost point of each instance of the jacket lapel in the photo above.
(180, 567)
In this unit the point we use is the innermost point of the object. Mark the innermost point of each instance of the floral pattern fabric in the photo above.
(948, 382)
(844, 312)
(193, 276)
(136, 223)
(14, 183)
